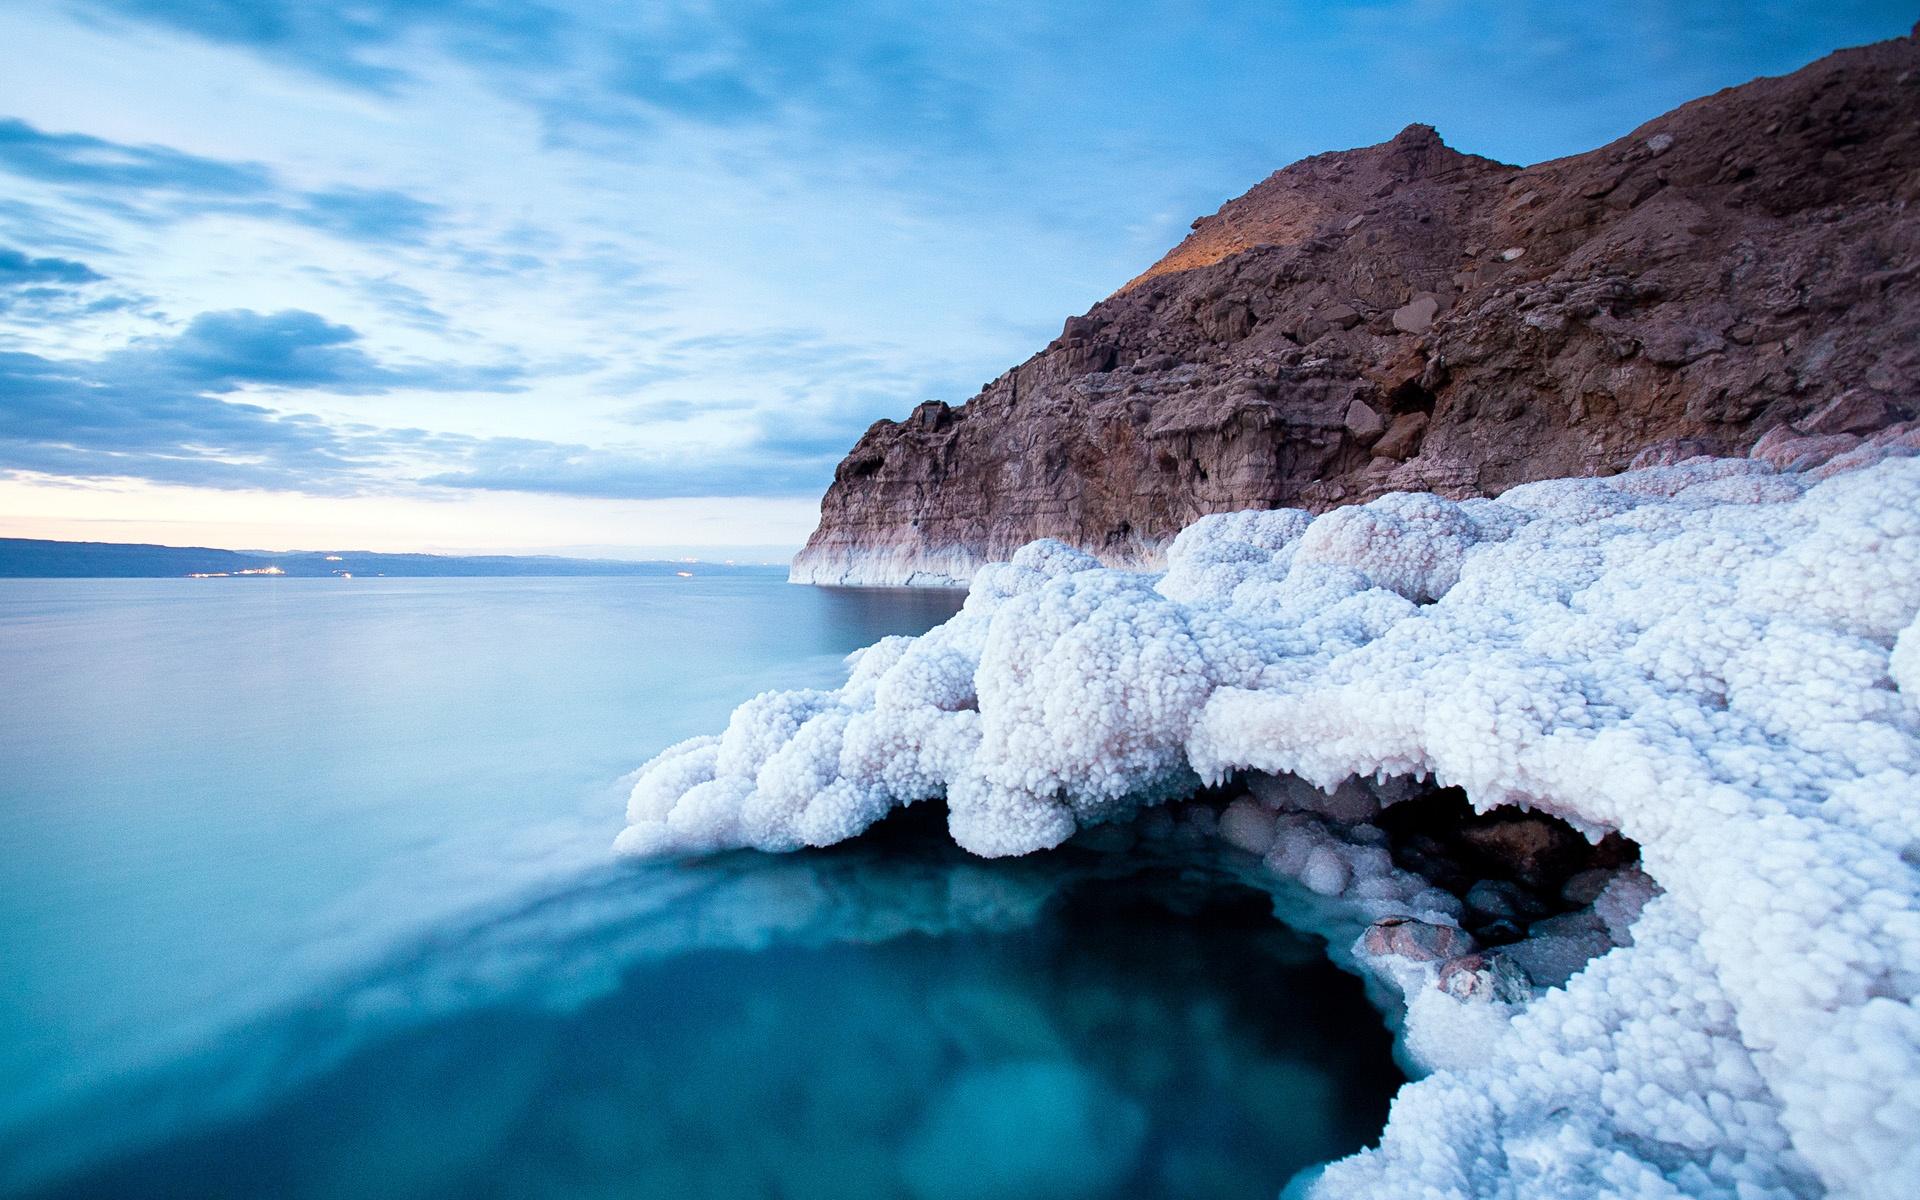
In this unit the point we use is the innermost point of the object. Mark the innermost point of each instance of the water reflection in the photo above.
(885, 1020)
(863, 616)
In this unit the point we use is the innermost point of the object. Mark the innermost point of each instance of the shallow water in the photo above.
(217, 792)
(307, 895)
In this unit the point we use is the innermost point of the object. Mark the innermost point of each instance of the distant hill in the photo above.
(33, 558)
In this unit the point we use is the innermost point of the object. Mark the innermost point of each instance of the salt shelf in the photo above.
(1718, 658)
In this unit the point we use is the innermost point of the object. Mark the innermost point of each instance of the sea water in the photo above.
(306, 892)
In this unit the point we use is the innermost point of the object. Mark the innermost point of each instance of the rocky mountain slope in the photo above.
(1406, 317)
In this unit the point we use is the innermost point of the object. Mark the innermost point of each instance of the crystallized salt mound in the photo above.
(1719, 658)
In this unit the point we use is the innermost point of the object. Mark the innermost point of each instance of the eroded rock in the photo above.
(1483, 978)
(1734, 268)
(1416, 940)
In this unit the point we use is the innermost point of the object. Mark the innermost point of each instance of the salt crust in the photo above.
(1717, 658)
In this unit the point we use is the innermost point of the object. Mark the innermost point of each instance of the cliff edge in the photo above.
(1405, 317)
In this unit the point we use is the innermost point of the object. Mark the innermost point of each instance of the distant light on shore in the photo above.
(229, 574)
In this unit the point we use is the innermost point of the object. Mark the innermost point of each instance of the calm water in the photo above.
(306, 893)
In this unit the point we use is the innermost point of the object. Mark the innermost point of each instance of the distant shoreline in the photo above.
(36, 558)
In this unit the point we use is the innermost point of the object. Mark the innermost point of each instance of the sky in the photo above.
(629, 279)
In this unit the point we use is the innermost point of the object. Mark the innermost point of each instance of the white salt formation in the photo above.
(1720, 659)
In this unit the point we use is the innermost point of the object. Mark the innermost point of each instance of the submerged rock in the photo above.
(1042, 1129)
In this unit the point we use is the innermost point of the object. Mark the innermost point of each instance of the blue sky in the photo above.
(490, 274)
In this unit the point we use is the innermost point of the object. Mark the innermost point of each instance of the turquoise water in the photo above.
(306, 893)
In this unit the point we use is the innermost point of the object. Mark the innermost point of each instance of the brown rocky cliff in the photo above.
(1405, 317)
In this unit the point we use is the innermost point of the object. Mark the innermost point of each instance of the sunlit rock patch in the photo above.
(1713, 659)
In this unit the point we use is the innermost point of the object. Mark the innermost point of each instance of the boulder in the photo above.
(1402, 438)
(1416, 315)
(1415, 940)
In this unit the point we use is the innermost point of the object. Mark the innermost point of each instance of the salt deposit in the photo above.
(1719, 659)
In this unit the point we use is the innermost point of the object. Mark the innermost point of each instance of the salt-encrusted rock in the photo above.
(1584, 887)
(1732, 269)
(1619, 904)
(1483, 979)
(1415, 940)
(1712, 658)
(1349, 803)
(1558, 947)
(1249, 825)
(1496, 899)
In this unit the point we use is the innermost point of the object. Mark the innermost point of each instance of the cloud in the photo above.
(159, 408)
(83, 161)
(813, 398)
(884, 71)
(19, 270)
(46, 288)
(222, 351)
(165, 409)
(765, 356)
(675, 409)
(158, 182)
(349, 42)
(409, 304)
(80, 419)
(368, 214)
(759, 468)
(907, 76)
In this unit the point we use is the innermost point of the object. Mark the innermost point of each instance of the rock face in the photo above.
(1408, 318)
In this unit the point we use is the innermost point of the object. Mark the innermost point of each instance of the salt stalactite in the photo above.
(1719, 659)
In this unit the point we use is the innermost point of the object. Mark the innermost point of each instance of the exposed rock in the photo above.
(1743, 265)
(1340, 316)
(1620, 902)
(1363, 423)
(1584, 887)
(1532, 847)
(1402, 438)
(1416, 315)
(1419, 941)
(1857, 410)
(1494, 899)
(1483, 978)
(1556, 948)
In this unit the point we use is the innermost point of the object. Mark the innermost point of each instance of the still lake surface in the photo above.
(306, 892)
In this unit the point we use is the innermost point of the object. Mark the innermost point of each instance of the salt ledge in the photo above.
(1719, 658)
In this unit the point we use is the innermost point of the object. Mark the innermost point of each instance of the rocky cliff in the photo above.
(1406, 317)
